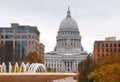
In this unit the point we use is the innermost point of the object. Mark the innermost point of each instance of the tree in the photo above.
(108, 73)
(84, 68)
(50, 70)
(107, 70)
(33, 57)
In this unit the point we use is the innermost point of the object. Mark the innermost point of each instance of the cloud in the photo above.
(96, 18)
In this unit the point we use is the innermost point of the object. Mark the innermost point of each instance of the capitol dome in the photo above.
(68, 23)
(68, 38)
(68, 51)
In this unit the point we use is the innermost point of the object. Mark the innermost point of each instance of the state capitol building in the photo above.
(68, 51)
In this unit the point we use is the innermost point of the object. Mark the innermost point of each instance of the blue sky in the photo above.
(97, 19)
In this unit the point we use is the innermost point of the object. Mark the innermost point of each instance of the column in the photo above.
(79, 44)
(73, 44)
(65, 66)
(71, 66)
(74, 65)
(76, 43)
(60, 43)
(50, 63)
(68, 66)
(56, 66)
(59, 66)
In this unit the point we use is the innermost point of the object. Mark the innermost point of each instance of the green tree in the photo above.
(84, 68)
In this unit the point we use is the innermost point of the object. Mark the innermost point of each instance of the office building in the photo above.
(17, 41)
(106, 47)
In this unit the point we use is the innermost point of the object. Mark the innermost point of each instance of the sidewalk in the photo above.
(69, 79)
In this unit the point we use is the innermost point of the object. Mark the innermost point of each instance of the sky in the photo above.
(96, 19)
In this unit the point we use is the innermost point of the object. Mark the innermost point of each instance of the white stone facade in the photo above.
(62, 62)
(68, 51)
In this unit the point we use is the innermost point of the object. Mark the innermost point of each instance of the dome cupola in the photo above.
(68, 23)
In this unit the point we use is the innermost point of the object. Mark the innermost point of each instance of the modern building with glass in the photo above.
(17, 41)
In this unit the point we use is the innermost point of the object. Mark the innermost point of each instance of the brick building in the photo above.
(106, 47)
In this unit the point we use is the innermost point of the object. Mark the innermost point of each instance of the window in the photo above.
(29, 36)
(119, 44)
(106, 45)
(32, 36)
(30, 30)
(98, 55)
(24, 36)
(24, 44)
(29, 42)
(98, 59)
(110, 50)
(8, 36)
(32, 42)
(106, 50)
(60, 65)
(98, 50)
(102, 55)
(2, 36)
(119, 50)
(114, 45)
(9, 43)
(17, 36)
(17, 48)
(98, 45)
(9, 30)
(21, 29)
(110, 45)
(1, 29)
(102, 50)
(102, 45)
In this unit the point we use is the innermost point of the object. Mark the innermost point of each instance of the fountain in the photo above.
(3, 68)
(23, 68)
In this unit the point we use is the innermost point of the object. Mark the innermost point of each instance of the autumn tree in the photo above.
(33, 57)
(50, 70)
(107, 70)
(111, 59)
(108, 73)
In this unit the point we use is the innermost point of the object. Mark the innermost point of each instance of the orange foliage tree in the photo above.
(108, 73)
(107, 70)
(33, 57)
